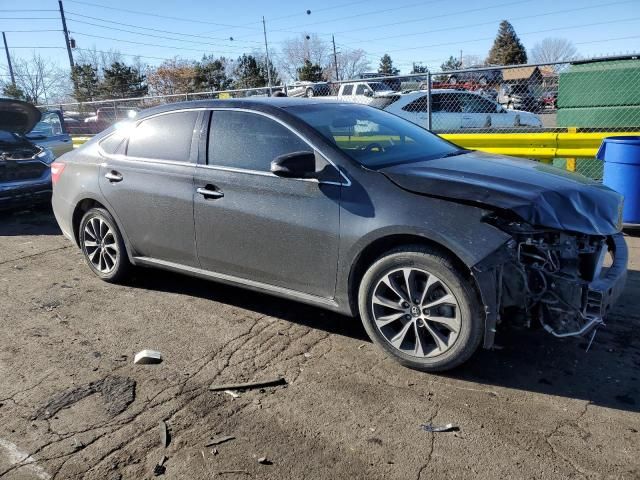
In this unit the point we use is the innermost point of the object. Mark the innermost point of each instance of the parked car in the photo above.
(478, 74)
(455, 110)
(107, 116)
(51, 132)
(362, 92)
(308, 89)
(25, 174)
(427, 242)
(518, 96)
(550, 99)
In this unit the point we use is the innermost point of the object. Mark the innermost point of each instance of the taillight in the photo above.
(56, 171)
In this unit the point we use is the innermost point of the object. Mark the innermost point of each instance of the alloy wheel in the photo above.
(416, 312)
(100, 245)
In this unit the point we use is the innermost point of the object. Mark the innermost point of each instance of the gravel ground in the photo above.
(73, 404)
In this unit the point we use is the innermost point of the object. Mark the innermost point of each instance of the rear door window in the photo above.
(249, 141)
(347, 90)
(164, 137)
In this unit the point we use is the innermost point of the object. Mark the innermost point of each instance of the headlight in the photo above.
(46, 156)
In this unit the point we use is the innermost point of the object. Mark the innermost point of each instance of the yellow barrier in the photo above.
(543, 146)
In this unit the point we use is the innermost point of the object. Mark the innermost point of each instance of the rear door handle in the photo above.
(210, 191)
(113, 176)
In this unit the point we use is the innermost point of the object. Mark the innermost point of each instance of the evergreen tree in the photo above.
(507, 48)
(86, 85)
(386, 66)
(310, 72)
(211, 74)
(418, 68)
(249, 73)
(123, 81)
(11, 90)
(452, 64)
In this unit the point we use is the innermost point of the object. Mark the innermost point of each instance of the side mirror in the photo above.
(295, 165)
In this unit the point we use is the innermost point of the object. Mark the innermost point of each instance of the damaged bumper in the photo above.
(565, 282)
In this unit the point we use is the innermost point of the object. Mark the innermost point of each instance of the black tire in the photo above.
(120, 268)
(471, 324)
(309, 93)
(482, 81)
(453, 80)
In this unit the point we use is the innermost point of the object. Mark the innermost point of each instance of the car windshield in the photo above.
(372, 137)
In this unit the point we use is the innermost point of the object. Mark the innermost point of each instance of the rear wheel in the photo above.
(102, 245)
(309, 93)
(453, 80)
(417, 306)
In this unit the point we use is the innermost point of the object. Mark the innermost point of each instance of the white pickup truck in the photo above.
(362, 92)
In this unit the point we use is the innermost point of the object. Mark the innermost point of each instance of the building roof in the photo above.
(519, 73)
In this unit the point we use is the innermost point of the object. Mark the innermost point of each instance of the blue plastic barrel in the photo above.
(621, 157)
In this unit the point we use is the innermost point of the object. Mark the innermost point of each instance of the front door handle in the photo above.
(210, 191)
(113, 176)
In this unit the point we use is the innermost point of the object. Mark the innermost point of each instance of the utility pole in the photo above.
(6, 49)
(335, 57)
(66, 34)
(266, 48)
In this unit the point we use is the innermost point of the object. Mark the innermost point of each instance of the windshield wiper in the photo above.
(455, 153)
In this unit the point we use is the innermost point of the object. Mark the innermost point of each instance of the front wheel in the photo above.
(102, 245)
(309, 93)
(420, 309)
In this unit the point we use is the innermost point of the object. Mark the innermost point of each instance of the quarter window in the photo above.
(249, 141)
(165, 137)
(360, 89)
(347, 90)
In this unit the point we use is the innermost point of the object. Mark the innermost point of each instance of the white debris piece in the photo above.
(146, 357)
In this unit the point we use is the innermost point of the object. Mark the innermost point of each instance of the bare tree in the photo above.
(40, 80)
(305, 47)
(553, 50)
(471, 61)
(351, 63)
(99, 59)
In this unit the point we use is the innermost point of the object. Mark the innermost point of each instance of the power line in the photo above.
(146, 28)
(526, 17)
(31, 31)
(521, 34)
(148, 14)
(373, 12)
(199, 42)
(147, 44)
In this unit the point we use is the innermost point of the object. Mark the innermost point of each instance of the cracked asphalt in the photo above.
(73, 404)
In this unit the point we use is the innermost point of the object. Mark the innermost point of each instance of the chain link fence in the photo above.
(596, 95)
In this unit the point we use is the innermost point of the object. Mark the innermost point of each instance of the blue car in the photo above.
(25, 168)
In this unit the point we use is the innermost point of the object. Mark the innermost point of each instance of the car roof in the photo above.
(264, 104)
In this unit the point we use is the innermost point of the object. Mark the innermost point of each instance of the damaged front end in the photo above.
(564, 281)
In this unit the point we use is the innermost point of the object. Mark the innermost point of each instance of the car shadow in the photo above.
(34, 221)
(529, 360)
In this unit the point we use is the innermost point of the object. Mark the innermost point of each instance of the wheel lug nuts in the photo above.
(425, 311)
(407, 317)
(405, 305)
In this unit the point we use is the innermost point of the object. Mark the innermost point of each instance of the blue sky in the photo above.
(409, 30)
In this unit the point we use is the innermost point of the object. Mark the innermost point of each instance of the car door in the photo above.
(474, 111)
(253, 225)
(49, 132)
(149, 187)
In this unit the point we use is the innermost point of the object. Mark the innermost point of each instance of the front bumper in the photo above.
(603, 292)
(25, 193)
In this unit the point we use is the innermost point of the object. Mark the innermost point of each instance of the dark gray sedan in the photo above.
(352, 209)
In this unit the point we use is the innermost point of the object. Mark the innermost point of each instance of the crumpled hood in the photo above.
(540, 194)
(17, 116)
